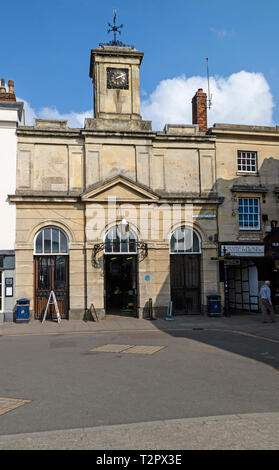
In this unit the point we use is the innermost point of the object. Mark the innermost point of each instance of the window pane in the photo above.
(196, 243)
(47, 240)
(9, 262)
(172, 244)
(43, 273)
(184, 240)
(124, 245)
(188, 240)
(55, 240)
(249, 213)
(117, 242)
(39, 243)
(60, 273)
(132, 245)
(247, 161)
(63, 243)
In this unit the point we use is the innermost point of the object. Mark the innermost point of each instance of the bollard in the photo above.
(169, 312)
(151, 312)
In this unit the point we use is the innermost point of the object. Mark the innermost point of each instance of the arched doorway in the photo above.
(120, 270)
(51, 269)
(185, 254)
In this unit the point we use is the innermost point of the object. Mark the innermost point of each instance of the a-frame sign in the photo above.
(52, 301)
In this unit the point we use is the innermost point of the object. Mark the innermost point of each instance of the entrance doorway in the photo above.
(243, 286)
(185, 249)
(120, 270)
(51, 271)
(121, 284)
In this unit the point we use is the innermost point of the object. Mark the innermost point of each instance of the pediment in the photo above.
(120, 188)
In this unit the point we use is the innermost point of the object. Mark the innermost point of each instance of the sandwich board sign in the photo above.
(52, 301)
(169, 312)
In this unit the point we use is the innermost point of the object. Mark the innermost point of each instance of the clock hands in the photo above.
(119, 76)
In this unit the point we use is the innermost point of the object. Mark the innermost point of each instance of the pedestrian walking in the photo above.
(266, 304)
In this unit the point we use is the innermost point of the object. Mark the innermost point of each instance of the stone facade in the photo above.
(66, 177)
(239, 179)
(84, 182)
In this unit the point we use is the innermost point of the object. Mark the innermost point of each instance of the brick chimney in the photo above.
(4, 95)
(199, 110)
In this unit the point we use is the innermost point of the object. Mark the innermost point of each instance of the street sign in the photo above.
(232, 262)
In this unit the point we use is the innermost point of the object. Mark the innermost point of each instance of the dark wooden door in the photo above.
(185, 283)
(51, 273)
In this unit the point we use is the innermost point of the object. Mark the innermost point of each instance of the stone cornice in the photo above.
(17, 198)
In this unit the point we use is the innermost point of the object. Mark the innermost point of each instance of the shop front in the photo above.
(242, 267)
(272, 260)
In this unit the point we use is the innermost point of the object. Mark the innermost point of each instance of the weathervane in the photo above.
(114, 28)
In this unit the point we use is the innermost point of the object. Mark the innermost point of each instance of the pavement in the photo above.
(255, 431)
(249, 324)
(239, 431)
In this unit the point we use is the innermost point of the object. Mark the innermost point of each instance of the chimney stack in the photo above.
(4, 95)
(199, 110)
(11, 86)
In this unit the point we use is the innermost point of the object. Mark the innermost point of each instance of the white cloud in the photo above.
(241, 98)
(220, 33)
(74, 119)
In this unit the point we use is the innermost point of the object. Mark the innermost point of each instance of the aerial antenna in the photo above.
(209, 101)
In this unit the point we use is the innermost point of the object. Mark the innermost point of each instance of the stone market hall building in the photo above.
(114, 213)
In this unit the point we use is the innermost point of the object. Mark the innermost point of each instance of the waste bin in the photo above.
(22, 310)
(214, 304)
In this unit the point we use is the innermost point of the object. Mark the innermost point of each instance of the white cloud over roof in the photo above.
(241, 98)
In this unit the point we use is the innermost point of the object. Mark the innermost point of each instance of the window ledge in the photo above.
(247, 173)
(248, 189)
(251, 231)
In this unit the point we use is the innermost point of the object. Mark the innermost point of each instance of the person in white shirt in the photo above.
(266, 304)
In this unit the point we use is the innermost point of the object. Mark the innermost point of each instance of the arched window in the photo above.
(185, 240)
(120, 243)
(51, 241)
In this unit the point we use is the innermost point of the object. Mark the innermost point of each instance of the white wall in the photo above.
(8, 150)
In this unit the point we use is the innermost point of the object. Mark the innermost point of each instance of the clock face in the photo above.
(117, 78)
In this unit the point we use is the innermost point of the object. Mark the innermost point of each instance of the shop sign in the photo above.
(243, 250)
(272, 244)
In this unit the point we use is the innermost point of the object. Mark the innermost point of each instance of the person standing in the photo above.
(266, 304)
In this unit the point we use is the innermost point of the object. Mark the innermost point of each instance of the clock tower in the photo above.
(114, 69)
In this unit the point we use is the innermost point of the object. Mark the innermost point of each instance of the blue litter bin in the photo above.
(214, 304)
(22, 310)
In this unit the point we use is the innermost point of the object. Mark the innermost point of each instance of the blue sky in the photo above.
(45, 49)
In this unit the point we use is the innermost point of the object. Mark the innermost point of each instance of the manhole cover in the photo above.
(127, 349)
(112, 348)
(143, 349)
